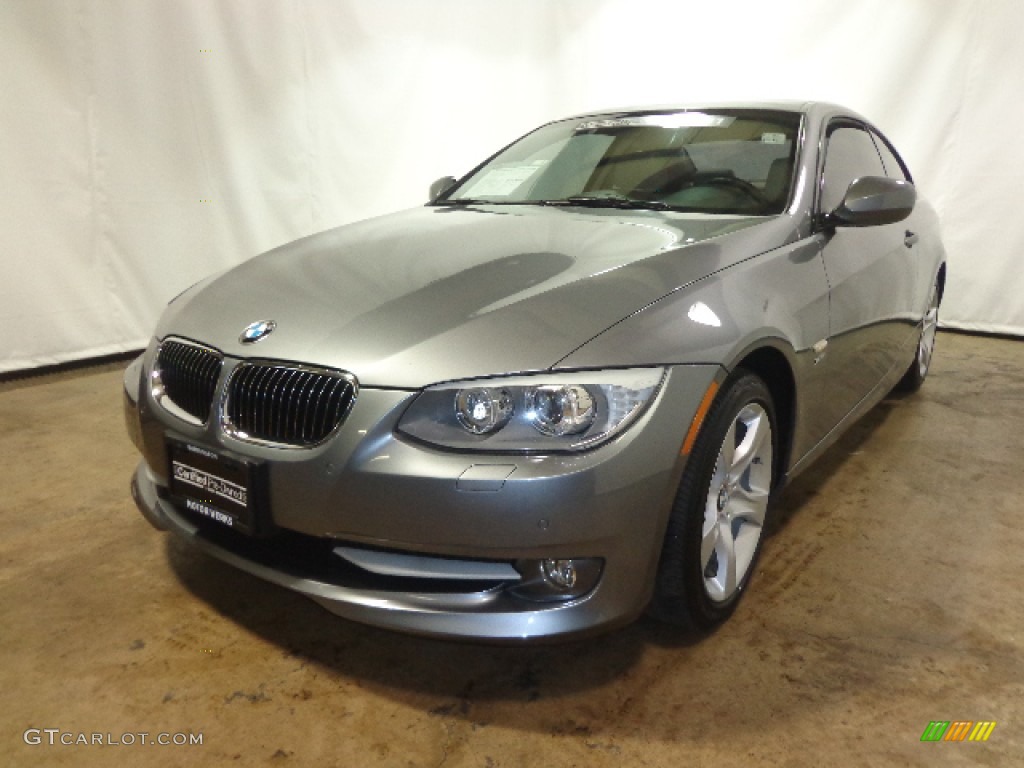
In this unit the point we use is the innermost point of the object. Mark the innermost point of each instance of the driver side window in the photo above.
(850, 154)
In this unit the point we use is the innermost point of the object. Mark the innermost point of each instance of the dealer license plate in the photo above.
(219, 487)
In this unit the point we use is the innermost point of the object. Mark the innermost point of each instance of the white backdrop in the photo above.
(146, 143)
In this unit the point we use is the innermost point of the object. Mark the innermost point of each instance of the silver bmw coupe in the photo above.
(562, 392)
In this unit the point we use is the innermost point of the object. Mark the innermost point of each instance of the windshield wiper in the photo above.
(590, 201)
(595, 201)
(478, 201)
(461, 201)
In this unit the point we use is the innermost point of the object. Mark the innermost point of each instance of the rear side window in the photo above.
(850, 154)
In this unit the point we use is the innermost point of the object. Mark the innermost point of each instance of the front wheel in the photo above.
(717, 521)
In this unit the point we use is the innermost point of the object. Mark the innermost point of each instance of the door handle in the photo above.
(910, 239)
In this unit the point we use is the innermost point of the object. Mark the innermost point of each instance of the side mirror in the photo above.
(874, 200)
(441, 186)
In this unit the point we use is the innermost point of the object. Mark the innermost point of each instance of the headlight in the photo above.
(483, 410)
(558, 410)
(536, 413)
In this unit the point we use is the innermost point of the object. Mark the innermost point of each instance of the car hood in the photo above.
(440, 293)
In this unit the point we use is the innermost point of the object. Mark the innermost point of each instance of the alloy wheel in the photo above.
(737, 500)
(926, 346)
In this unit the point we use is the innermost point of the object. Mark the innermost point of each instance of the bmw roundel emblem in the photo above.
(256, 331)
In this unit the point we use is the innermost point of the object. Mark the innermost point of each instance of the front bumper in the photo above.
(368, 488)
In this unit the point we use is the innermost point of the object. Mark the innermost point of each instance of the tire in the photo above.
(918, 370)
(717, 521)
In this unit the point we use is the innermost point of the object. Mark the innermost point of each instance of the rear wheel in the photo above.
(717, 521)
(918, 370)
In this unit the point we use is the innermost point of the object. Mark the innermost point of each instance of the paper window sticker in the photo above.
(499, 182)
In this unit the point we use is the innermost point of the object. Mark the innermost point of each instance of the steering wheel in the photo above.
(727, 180)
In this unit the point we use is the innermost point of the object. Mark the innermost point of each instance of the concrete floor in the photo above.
(888, 597)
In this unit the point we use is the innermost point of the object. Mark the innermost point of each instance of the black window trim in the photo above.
(845, 121)
(878, 136)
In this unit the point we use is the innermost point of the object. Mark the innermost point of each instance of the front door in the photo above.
(871, 279)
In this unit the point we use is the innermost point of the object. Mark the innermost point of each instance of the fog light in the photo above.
(559, 573)
(557, 579)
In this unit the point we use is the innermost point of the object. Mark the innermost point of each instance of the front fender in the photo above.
(777, 299)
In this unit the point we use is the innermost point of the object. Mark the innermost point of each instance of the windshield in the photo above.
(712, 161)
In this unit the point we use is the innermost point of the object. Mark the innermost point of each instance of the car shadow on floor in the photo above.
(462, 679)
(790, 500)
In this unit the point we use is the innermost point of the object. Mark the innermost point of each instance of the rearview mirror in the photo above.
(441, 186)
(874, 200)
